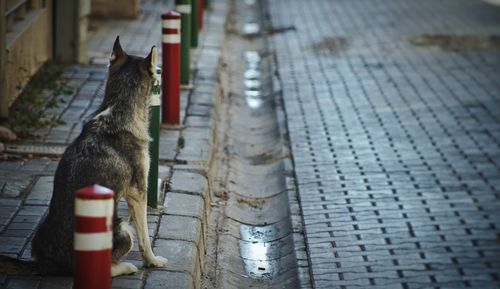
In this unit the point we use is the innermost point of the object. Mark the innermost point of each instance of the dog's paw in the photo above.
(156, 261)
(123, 268)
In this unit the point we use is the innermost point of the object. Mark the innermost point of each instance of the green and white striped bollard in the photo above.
(184, 8)
(194, 23)
(154, 145)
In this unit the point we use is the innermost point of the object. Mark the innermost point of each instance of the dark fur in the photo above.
(105, 153)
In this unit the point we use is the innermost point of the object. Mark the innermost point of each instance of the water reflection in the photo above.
(261, 258)
(253, 96)
(251, 28)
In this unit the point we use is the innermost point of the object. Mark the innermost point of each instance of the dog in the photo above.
(112, 151)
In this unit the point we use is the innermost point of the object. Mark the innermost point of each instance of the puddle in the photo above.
(251, 28)
(458, 42)
(252, 83)
(251, 74)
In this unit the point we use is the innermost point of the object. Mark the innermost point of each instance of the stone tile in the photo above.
(168, 280)
(184, 181)
(198, 121)
(180, 228)
(196, 147)
(11, 245)
(56, 283)
(168, 144)
(182, 255)
(184, 205)
(41, 192)
(23, 283)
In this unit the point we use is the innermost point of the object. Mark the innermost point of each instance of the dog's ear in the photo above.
(149, 63)
(118, 53)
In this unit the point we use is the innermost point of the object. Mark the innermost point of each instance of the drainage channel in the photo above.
(254, 238)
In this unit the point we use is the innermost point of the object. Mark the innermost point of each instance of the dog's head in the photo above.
(125, 69)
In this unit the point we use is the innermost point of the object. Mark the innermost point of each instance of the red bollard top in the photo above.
(94, 192)
(171, 15)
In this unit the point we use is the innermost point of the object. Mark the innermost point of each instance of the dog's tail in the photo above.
(13, 266)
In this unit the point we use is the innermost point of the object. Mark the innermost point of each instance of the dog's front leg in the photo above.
(137, 205)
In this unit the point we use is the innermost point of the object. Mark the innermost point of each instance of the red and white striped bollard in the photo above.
(171, 67)
(201, 8)
(93, 237)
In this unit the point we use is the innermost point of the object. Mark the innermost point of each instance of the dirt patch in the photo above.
(254, 203)
(332, 45)
(458, 42)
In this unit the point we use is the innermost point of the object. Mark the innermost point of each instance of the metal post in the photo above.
(171, 26)
(194, 23)
(93, 237)
(154, 145)
(184, 7)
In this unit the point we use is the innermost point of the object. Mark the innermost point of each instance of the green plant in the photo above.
(31, 110)
(181, 142)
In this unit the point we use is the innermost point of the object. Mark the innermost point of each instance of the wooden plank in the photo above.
(13, 5)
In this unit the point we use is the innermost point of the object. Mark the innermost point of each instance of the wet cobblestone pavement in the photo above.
(393, 112)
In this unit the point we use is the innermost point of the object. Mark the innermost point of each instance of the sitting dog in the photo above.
(112, 151)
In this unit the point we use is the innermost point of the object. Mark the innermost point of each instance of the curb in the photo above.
(181, 231)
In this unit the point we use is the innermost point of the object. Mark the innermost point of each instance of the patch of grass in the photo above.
(181, 142)
(30, 111)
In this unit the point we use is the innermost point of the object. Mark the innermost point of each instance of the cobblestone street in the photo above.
(393, 114)
(323, 144)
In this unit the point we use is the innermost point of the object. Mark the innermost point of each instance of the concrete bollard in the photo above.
(184, 8)
(93, 237)
(154, 144)
(171, 39)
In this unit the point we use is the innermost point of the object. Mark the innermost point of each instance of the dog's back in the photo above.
(110, 151)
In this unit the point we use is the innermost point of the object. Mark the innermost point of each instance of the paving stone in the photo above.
(126, 282)
(180, 228)
(182, 255)
(16, 186)
(41, 192)
(56, 283)
(23, 283)
(203, 98)
(11, 245)
(168, 280)
(184, 181)
(194, 168)
(198, 121)
(199, 110)
(196, 147)
(184, 205)
(168, 144)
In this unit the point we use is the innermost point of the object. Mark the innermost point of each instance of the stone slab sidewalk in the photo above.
(178, 228)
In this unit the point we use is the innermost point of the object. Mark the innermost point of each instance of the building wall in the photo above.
(110, 9)
(27, 41)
